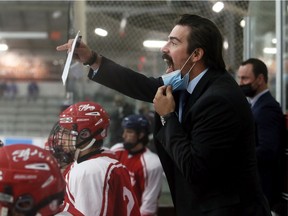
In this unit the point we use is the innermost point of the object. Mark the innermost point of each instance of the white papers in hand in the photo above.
(69, 60)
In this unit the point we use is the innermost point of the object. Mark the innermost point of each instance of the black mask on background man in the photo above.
(129, 145)
(248, 90)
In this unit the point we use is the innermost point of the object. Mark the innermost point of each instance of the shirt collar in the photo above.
(253, 100)
(192, 84)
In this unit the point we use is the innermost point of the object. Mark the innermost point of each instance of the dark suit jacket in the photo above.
(209, 159)
(270, 130)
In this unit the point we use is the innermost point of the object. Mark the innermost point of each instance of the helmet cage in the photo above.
(62, 144)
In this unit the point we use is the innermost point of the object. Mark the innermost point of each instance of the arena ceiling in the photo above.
(35, 28)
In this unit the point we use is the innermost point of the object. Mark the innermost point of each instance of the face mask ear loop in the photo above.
(187, 62)
(191, 67)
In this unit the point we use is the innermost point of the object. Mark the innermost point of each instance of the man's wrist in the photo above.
(166, 117)
(92, 59)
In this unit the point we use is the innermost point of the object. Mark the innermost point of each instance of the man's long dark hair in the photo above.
(204, 34)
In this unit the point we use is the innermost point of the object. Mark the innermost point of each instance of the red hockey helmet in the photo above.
(79, 124)
(84, 117)
(30, 181)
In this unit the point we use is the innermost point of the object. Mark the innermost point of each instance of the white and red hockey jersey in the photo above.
(146, 174)
(99, 186)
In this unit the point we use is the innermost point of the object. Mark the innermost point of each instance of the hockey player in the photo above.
(97, 183)
(30, 181)
(144, 166)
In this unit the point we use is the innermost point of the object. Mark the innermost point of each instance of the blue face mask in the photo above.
(175, 78)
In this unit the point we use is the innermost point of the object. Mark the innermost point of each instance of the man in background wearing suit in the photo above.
(270, 125)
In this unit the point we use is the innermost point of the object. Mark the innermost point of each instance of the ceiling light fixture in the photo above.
(3, 47)
(218, 6)
(225, 45)
(123, 24)
(242, 23)
(56, 14)
(101, 32)
(154, 43)
(24, 35)
(270, 50)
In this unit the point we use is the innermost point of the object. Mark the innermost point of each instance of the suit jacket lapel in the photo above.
(200, 88)
(176, 96)
(265, 97)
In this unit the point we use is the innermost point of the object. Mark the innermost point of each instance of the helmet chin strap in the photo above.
(89, 145)
(78, 150)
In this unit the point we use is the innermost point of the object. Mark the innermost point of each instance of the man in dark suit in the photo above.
(270, 125)
(208, 154)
